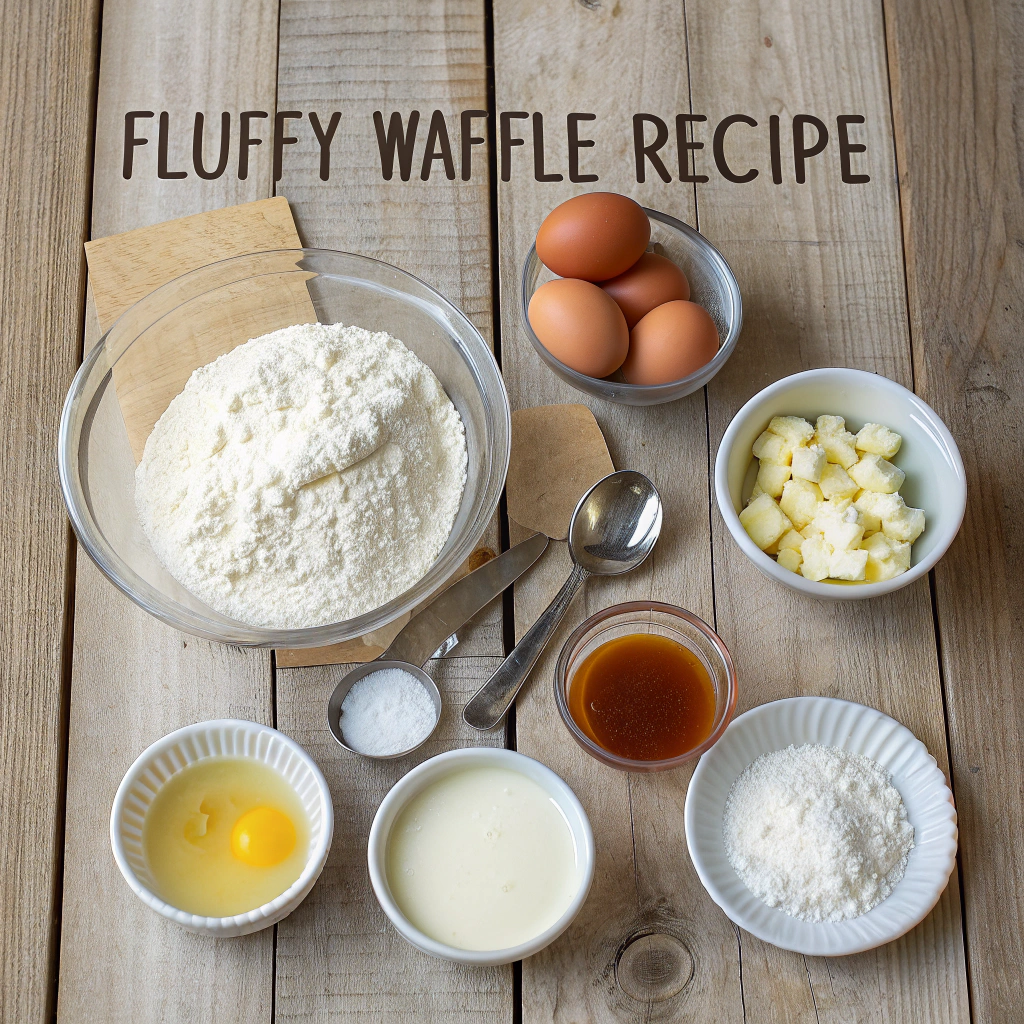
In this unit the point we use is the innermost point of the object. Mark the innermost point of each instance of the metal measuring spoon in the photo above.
(612, 530)
(431, 631)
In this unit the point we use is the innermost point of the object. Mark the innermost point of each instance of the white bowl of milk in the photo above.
(481, 856)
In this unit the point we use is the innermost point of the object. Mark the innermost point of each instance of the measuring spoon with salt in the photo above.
(429, 631)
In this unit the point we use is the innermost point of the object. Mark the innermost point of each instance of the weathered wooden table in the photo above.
(916, 274)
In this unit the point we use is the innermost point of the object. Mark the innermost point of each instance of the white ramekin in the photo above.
(936, 480)
(423, 775)
(861, 730)
(221, 738)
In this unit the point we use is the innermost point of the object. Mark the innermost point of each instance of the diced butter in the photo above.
(847, 565)
(771, 447)
(815, 559)
(800, 500)
(874, 473)
(795, 429)
(809, 463)
(843, 536)
(873, 437)
(791, 540)
(839, 448)
(906, 525)
(790, 558)
(836, 483)
(764, 521)
(771, 478)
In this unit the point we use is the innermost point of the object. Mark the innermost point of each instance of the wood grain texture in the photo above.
(133, 678)
(401, 56)
(338, 959)
(957, 82)
(47, 89)
(546, 58)
(820, 265)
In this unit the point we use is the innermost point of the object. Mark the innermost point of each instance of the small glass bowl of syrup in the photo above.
(645, 686)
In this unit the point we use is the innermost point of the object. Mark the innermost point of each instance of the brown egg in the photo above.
(672, 341)
(594, 237)
(580, 326)
(651, 281)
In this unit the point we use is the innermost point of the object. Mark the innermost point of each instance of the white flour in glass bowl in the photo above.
(305, 477)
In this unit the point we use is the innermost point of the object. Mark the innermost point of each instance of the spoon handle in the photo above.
(489, 704)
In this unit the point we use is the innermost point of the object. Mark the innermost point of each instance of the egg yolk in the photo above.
(263, 837)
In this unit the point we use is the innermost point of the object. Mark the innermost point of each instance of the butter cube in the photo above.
(764, 521)
(795, 429)
(790, 558)
(790, 541)
(901, 554)
(879, 564)
(907, 524)
(873, 437)
(800, 500)
(874, 473)
(836, 483)
(830, 425)
(840, 444)
(882, 506)
(847, 565)
(810, 532)
(771, 478)
(815, 559)
(771, 447)
(809, 463)
(843, 536)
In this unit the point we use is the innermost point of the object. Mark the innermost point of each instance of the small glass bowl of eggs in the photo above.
(626, 303)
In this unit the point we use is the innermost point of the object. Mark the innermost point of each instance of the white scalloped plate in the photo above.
(862, 730)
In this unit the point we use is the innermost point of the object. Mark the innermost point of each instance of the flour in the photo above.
(817, 831)
(305, 477)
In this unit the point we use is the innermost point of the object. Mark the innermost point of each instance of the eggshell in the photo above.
(594, 237)
(651, 281)
(580, 326)
(672, 341)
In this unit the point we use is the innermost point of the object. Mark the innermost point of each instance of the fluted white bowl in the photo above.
(861, 730)
(226, 737)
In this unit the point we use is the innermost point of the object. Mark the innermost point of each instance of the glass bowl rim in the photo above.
(149, 597)
(583, 383)
(598, 752)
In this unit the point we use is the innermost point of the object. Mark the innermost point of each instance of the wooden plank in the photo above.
(821, 270)
(644, 883)
(337, 957)
(134, 679)
(47, 87)
(956, 76)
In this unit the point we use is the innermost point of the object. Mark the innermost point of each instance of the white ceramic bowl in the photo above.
(862, 730)
(426, 773)
(929, 456)
(229, 738)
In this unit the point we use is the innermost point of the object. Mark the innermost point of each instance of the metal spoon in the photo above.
(612, 530)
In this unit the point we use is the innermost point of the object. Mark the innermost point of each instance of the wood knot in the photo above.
(653, 966)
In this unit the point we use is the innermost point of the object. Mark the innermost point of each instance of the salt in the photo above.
(819, 832)
(387, 712)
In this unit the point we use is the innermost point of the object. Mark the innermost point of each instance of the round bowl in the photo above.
(334, 714)
(221, 738)
(712, 285)
(929, 456)
(145, 359)
(426, 773)
(662, 620)
(853, 727)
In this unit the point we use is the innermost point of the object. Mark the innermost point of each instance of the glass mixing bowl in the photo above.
(144, 360)
(660, 619)
(712, 285)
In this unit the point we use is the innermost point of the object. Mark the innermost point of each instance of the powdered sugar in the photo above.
(305, 477)
(819, 832)
(387, 712)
